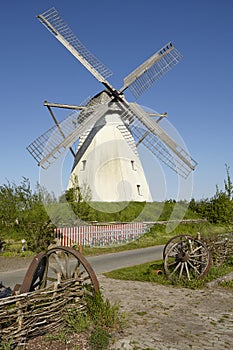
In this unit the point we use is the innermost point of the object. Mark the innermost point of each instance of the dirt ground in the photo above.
(159, 317)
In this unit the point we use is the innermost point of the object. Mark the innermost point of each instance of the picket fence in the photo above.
(99, 235)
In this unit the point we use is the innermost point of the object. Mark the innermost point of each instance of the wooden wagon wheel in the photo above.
(59, 264)
(174, 240)
(187, 257)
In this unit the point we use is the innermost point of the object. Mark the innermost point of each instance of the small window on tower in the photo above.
(133, 165)
(84, 162)
(139, 190)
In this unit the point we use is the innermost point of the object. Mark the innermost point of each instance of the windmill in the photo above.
(109, 128)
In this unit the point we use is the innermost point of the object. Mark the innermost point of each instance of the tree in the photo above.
(37, 227)
(218, 209)
(221, 208)
(22, 212)
(78, 197)
(228, 184)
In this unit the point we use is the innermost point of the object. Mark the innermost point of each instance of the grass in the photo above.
(6, 346)
(228, 284)
(146, 273)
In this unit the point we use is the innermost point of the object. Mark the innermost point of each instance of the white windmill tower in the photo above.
(109, 128)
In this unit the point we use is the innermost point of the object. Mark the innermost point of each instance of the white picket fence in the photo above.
(100, 235)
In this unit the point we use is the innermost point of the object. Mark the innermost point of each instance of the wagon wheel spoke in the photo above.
(56, 272)
(187, 270)
(76, 270)
(67, 265)
(59, 266)
(172, 263)
(193, 267)
(199, 259)
(181, 270)
(197, 262)
(176, 268)
(195, 250)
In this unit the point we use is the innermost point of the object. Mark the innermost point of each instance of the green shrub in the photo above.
(99, 319)
(99, 339)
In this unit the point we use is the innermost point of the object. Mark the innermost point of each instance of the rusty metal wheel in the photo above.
(59, 264)
(187, 258)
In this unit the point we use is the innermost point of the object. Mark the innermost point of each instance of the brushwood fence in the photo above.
(100, 235)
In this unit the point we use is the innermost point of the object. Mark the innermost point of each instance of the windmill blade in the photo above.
(147, 131)
(49, 146)
(56, 25)
(152, 70)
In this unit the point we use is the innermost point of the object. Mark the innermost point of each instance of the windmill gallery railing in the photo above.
(100, 235)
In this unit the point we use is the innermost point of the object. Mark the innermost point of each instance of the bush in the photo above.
(100, 320)
(99, 339)
(22, 215)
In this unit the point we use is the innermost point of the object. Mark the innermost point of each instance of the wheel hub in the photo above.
(182, 256)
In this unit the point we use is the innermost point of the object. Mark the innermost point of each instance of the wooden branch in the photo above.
(34, 313)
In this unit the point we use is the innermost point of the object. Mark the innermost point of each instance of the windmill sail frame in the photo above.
(144, 76)
(48, 147)
(62, 32)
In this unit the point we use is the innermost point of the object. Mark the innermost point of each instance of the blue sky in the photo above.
(197, 94)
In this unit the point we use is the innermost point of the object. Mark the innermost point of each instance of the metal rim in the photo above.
(187, 258)
(59, 264)
(35, 273)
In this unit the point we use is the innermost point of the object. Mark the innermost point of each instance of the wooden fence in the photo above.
(32, 314)
(100, 235)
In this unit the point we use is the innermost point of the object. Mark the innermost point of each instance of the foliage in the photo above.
(218, 209)
(6, 346)
(22, 212)
(103, 314)
(100, 320)
(120, 211)
(228, 184)
(78, 197)
(99, 339)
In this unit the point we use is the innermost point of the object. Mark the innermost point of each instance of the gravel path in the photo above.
(162, 317)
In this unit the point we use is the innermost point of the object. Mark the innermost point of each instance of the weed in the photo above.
(141, 313)
(221, 320)
(104, 314)
(227, 284)
(99, 339)
(6, 346)
(77, 321)
(62, 336)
